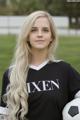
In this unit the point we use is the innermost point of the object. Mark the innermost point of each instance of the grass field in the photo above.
(68, 50)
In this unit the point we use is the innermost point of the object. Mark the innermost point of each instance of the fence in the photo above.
(12, 25)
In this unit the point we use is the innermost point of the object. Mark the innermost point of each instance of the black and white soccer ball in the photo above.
(71, 110)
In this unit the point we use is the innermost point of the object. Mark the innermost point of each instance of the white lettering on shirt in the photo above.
(46, 85)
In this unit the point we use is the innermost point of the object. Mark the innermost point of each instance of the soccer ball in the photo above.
(71, 110)
(3, 113)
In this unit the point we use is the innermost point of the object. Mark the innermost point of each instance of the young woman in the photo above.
(36, 86)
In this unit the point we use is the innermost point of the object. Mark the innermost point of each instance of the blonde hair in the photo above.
(17, 95)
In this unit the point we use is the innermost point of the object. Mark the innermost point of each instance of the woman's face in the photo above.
(40, 34)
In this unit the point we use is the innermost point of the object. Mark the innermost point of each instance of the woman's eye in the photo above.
(33, 30)
(45, 30)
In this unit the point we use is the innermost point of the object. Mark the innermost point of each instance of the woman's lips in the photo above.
(39, 41)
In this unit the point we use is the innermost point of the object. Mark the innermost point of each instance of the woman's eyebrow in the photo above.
(34, 27)
(42, 27)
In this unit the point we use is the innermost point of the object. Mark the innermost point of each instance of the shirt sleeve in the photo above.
(74, 82)
(5, 82)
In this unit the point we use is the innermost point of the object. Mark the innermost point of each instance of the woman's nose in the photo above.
(39, 33)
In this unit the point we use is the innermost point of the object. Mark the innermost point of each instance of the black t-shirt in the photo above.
(50, 89)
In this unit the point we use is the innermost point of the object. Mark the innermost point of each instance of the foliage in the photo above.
(20, 7)
(55, 7)
(72, 9)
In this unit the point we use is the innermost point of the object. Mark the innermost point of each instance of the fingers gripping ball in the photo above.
(72, 110)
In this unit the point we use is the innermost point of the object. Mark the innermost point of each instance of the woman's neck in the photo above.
(39, 57)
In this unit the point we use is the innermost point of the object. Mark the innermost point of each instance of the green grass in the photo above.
(68, 50)
(7, 43)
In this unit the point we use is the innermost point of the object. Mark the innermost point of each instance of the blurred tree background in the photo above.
(55, 7)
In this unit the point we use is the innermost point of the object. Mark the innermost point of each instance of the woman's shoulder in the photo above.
(6, 73)
(61, 63)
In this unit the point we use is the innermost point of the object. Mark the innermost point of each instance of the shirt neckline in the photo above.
(42, 64)
(39, 66)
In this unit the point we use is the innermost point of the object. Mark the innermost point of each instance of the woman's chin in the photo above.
(39, 47)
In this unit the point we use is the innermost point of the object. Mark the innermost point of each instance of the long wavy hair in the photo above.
(17, 94)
